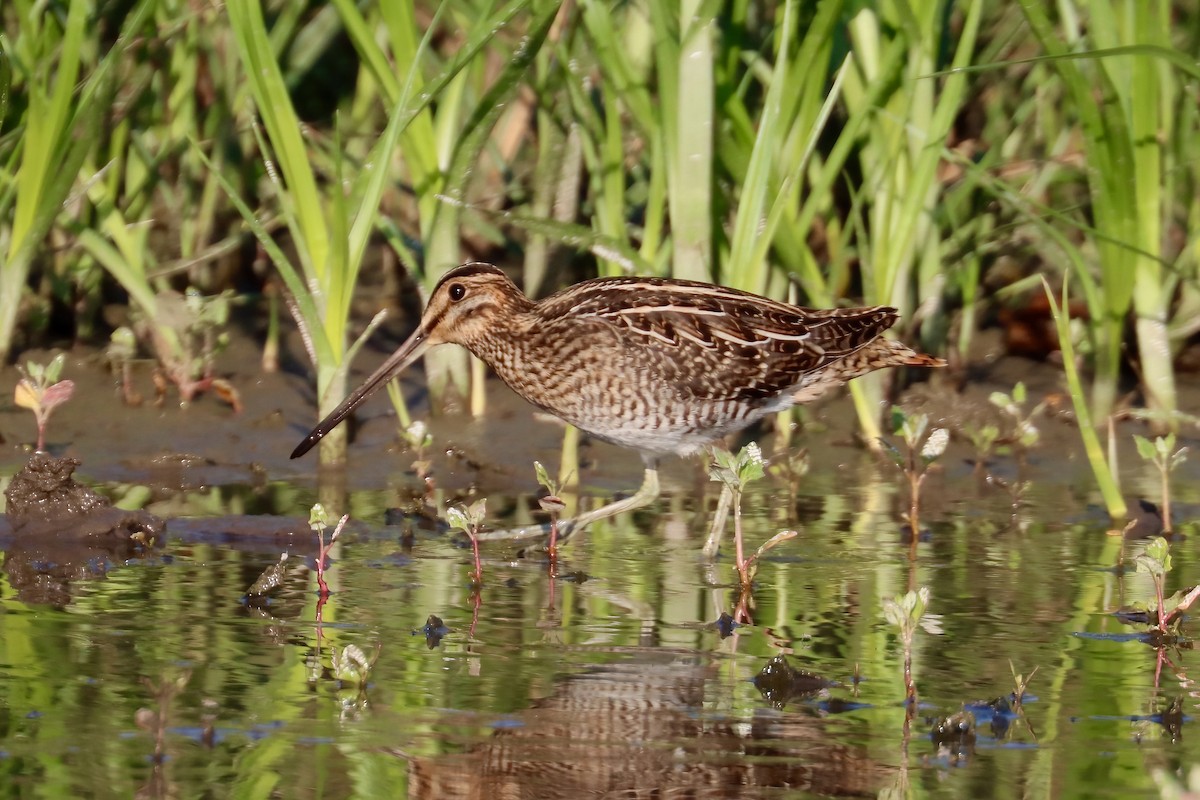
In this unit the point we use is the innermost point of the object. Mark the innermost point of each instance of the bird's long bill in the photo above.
(407, 353)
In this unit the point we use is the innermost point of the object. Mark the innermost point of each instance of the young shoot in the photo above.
(417, 437)
(735, 473)
(983, 439)
(922, 448)
(1026, 434)
(1163, 455)
(41, 391)
(318, 520)
(469, 519)
(907, 612)
(1156, 561)
(552, 504)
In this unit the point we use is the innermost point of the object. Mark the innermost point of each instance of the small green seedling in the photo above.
(983, 439)
(120, 354)
(735, 473)
(1162, 454)
(922, 448)
(418, 438)
(469, 519)
(41, 391)
(186, 334)
(907, 613)
(318, 520)
(552, 504)
(1026, 434)
(1156, 561)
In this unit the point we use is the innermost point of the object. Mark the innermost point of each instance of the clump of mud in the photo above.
(44, 498)
(64, 532)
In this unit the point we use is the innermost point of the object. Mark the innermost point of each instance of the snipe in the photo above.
(661, 366)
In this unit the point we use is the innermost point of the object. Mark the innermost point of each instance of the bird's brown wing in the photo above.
(715, 343)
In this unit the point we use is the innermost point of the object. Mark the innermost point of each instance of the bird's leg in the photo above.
(642, 497)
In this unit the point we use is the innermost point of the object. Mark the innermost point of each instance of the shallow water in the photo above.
(157, 677)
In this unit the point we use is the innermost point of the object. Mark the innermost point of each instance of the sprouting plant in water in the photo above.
(1020, 684)
(551, 503)
(469, 519)
(318, 520)
(417, 437)
(41, 391)
(735, 473)
(1026, 434)
(120, 354)
(922, 448)
(983, 440)
(1155, 560)
(1163, 455)
(907, 613)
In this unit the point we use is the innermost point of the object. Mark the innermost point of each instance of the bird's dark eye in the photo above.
(457, 292)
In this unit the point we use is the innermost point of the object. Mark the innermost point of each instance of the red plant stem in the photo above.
(552, 550)
(478, 563)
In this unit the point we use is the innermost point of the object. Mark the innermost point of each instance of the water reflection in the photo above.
(638, 726)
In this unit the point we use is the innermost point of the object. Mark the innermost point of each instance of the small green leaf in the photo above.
(456, 518)
(1145, 447)
(914, 429)
(55, 368)
(1001, 400)
(477, 511)
(898, 420)
(543, 477)
(1018, 394)
(318, 518)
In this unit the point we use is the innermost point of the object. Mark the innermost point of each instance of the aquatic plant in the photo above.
(735, 473)
(1128, 98)
(330, 222)
(922, 447)
(983, 442)
(443, 141)
(469, 519)
(318, 520)
(551, 503)
(41, 391)
(1026, 434)
(418, 438)
(186, 333)
(907, 613)
(1104, 471)
(1163, 455)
